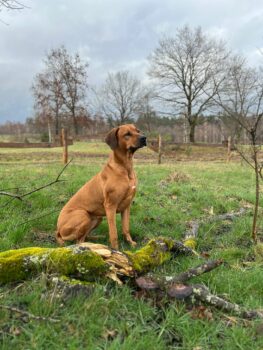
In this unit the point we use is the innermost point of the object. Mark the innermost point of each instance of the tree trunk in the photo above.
(75, 122)
(254, 226)
(192, 132)
(57, 125)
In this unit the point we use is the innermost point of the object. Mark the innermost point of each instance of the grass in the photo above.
(112, 318)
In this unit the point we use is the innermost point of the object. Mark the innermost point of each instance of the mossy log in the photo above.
(87, 261)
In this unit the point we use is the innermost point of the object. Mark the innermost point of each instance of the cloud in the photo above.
(110, 35)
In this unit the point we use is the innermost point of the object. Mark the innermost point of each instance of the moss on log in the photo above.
(25, 263)
(86, 261)
(153, 254)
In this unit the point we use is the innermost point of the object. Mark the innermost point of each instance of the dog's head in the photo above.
(126, 137)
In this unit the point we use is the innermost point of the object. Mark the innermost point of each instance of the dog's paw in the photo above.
(115, 246)
(133, 243)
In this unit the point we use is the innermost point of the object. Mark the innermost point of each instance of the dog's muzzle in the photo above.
(142, 141)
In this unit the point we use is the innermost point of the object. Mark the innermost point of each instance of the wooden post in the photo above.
(65, 145)
(159, 149)
(228, 149)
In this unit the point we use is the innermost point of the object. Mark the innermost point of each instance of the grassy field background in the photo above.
(169, 196)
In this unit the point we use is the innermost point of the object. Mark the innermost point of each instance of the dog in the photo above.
(109, 192)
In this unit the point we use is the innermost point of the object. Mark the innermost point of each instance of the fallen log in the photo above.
(87, 261)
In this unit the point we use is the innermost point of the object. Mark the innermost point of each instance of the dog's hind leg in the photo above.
(59, 238)
(75, 226)
(95, 221)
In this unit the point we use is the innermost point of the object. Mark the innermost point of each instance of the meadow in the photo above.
(169, 196)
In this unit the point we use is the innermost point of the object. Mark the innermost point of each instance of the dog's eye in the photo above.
(128, 134)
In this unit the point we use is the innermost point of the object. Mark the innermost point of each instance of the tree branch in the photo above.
(28, 314)
(20, 197)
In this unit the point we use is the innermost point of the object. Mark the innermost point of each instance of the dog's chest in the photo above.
(131, 189)
(132, 185)
(129, 194)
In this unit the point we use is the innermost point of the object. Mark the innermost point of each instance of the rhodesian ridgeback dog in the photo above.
(109, 192)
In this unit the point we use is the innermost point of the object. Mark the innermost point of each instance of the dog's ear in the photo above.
(112, 138)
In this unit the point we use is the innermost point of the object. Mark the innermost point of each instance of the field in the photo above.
(114, 317)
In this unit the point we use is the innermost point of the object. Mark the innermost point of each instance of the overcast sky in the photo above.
(111, 35)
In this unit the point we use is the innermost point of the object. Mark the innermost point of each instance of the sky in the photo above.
(111, 35)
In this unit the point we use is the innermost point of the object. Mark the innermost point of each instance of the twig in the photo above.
(20, 197)
(13, 195)
(12, 4)
(28, 314)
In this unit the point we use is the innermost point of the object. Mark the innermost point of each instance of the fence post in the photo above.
(228, 149)
(159, 149)
(64, 145)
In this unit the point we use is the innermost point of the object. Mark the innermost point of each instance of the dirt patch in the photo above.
(43, 237)
(175, 177)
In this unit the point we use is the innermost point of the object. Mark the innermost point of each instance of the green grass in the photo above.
(112, 318)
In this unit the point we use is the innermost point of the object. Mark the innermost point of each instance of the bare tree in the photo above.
(120, 97)
(189, 71)
(242, 101)
(61, 88)
(74, 79)
(147, 113)
(47, 91)
(11, 5)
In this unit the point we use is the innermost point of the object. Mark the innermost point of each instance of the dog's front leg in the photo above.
(125, 221)
(111, 218)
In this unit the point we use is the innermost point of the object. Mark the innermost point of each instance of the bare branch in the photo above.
(28, 314)
(20, 197)
(12, 5)
(120, 97)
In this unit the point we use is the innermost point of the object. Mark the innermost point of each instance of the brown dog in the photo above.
(109, 192)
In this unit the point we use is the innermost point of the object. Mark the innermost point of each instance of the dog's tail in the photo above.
(59, 238)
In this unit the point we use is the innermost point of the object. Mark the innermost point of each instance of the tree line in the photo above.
(192, 76)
